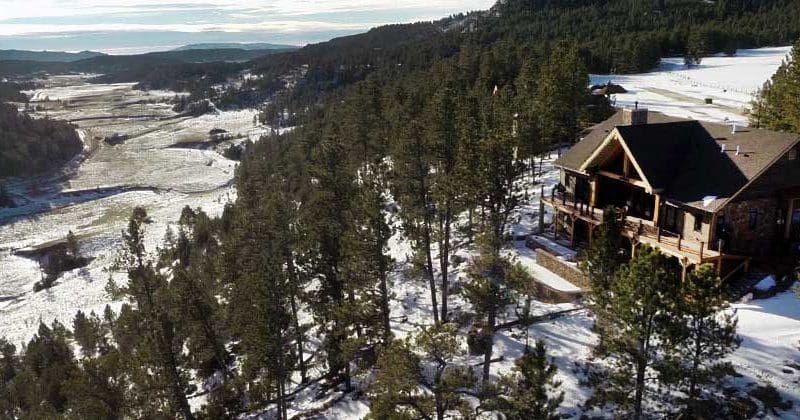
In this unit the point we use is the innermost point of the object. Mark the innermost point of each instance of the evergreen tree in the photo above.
(327, 214)
(468, 170)
(395, 392)
(73, 249)
(46, 367)
(487, 291)
(446, 189)
(500, 169)
(440, 345)
(413, 185)
(561, 94)
(604, 258)
(697, 46)
(777, 105)
(635, 330)
(9, 367)
(703, 334)
(402, 378)
(89, 333)
(369, 256)
(153, 350)
(98, 390)
(194, 286)
(531, 391)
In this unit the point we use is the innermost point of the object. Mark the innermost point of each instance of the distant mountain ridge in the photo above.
(47, 56)
(236, 46)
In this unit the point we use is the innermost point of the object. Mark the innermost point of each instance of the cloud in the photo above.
(30, 23)
(274, 26)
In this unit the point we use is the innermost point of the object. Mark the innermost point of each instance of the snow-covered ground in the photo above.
(674, 89)
(770, 350)
(95, 196)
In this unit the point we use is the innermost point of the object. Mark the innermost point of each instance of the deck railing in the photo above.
(642, 229)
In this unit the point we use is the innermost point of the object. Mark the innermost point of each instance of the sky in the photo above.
(135, 26)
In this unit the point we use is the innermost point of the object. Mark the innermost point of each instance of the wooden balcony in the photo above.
(640, 231)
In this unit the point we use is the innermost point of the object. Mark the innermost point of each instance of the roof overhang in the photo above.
(606, 150)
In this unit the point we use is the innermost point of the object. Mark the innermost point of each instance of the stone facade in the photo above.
(562, 269)
(751, 226)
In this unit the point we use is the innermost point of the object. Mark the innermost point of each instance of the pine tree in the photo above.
(9, 367)
(604, 258)
(531, 391)
(561, 93)
(413, 185)
(262, 318)
(440, 345)
(154, 350)
(777, 105)
(644, 292)
(194, 285)
(467, 172)
(99, 389)
(395, 392)
(487, 291)
(697, 46)
(446, 189)
(500, 168)
(89, 333)
(73, 249)
(703, 333)
(46, 367)
(327, 214)
(369, 256)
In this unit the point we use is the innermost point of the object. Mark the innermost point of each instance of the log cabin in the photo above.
(700, 192)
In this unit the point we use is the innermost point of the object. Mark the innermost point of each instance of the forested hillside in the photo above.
(429, 136)
(29, 146)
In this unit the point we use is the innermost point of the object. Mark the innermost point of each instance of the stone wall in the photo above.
(547, 294)
(747, 240)
(562, 269)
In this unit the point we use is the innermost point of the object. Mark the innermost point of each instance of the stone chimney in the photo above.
(636, 116)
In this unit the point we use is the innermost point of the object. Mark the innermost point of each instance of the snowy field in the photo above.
(676, 90)
(95, 194)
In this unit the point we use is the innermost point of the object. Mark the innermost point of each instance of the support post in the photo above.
(684, 268)
(702, 245)
(657, 210)
(680, 239)
(593, 197)
(541, 212)
(555, 224)
(572, 234)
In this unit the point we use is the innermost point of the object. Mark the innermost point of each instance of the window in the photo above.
(753, 218)
(698, 222)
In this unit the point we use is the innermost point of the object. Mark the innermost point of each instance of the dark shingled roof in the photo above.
(576, 155)
(683, 159)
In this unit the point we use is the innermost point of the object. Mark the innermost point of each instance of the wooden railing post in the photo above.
(702, 245)
(639, 230)
(680, 239)
(658, 235)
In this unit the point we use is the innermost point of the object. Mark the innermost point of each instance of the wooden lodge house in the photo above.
(700, 192)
